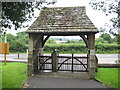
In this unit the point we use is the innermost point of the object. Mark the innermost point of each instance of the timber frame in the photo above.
(64, 25)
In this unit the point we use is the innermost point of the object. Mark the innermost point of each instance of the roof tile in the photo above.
(62, 19)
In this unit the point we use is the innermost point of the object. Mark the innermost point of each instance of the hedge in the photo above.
(107, 48)
(66, 48)
(70, 48)
(81, 48)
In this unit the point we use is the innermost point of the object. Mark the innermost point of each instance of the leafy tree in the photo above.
(22, 37)
(16, 13)
(10, 38)
(50, 41)
(73, 41)
(106, 37)
(100, 40)
(81, 41)
(116, 39)
(1, 38)
(18, 43)
(112, 7)
(15, 46)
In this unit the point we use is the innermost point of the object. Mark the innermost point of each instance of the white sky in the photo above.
(97, 17)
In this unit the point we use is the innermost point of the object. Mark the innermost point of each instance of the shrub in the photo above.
(65, 48)
(81, 48)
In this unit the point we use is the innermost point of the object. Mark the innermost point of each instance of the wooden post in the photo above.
(18, 55)
(5, 53)
(96, 63)
(30, 55)
(4, 59)
(40, 50)
(72, 62)
(54, 61)
(91, 54)
(35, 47)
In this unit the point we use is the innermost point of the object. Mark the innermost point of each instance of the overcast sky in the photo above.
(97, 17)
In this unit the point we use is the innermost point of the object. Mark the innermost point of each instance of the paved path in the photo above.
(56, 80)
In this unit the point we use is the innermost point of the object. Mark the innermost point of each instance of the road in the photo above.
(102, 58)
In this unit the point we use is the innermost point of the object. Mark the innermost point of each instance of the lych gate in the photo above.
(56, 63)
(61, 21)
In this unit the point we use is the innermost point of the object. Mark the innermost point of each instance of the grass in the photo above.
(14, 75)
(0, 76)
(108, 76)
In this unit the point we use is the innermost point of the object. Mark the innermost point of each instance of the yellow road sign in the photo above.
(4, 48)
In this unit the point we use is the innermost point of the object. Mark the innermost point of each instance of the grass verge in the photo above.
(13, 75)
(108, 76)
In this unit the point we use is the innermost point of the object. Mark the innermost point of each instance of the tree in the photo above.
(1, 38)
(18, 43)
(106, 37)
(72, 41)
(100, 40)
(51, 41)
(10, 37)
(22, 37)
(116, 39)
(14, 14)
(112, 7)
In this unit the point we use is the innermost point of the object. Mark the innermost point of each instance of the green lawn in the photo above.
(108, 76)
(14, 75)
(0, 76)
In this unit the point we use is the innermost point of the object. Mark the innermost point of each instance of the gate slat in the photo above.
(65, 63)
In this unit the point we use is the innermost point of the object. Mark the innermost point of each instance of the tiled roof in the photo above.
(62, 19)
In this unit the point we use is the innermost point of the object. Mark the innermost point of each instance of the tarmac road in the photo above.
(102, 58)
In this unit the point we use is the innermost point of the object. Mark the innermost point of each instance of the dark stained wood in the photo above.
(91, 39)
(85, 40)
(54, 61)
(62, 33)
(45, 40)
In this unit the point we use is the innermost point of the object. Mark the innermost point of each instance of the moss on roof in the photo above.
(62, 19)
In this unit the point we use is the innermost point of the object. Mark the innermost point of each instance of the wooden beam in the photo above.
(35, 46)
(38, 41)
(85, 40)
(92, 61)
(45, 40)
(30, 55)
(91, 40)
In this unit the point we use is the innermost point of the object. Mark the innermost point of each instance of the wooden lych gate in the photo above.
(56, 63)
(61, 21)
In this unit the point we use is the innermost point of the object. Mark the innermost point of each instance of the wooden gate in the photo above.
(64, 63)
(45, 63)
